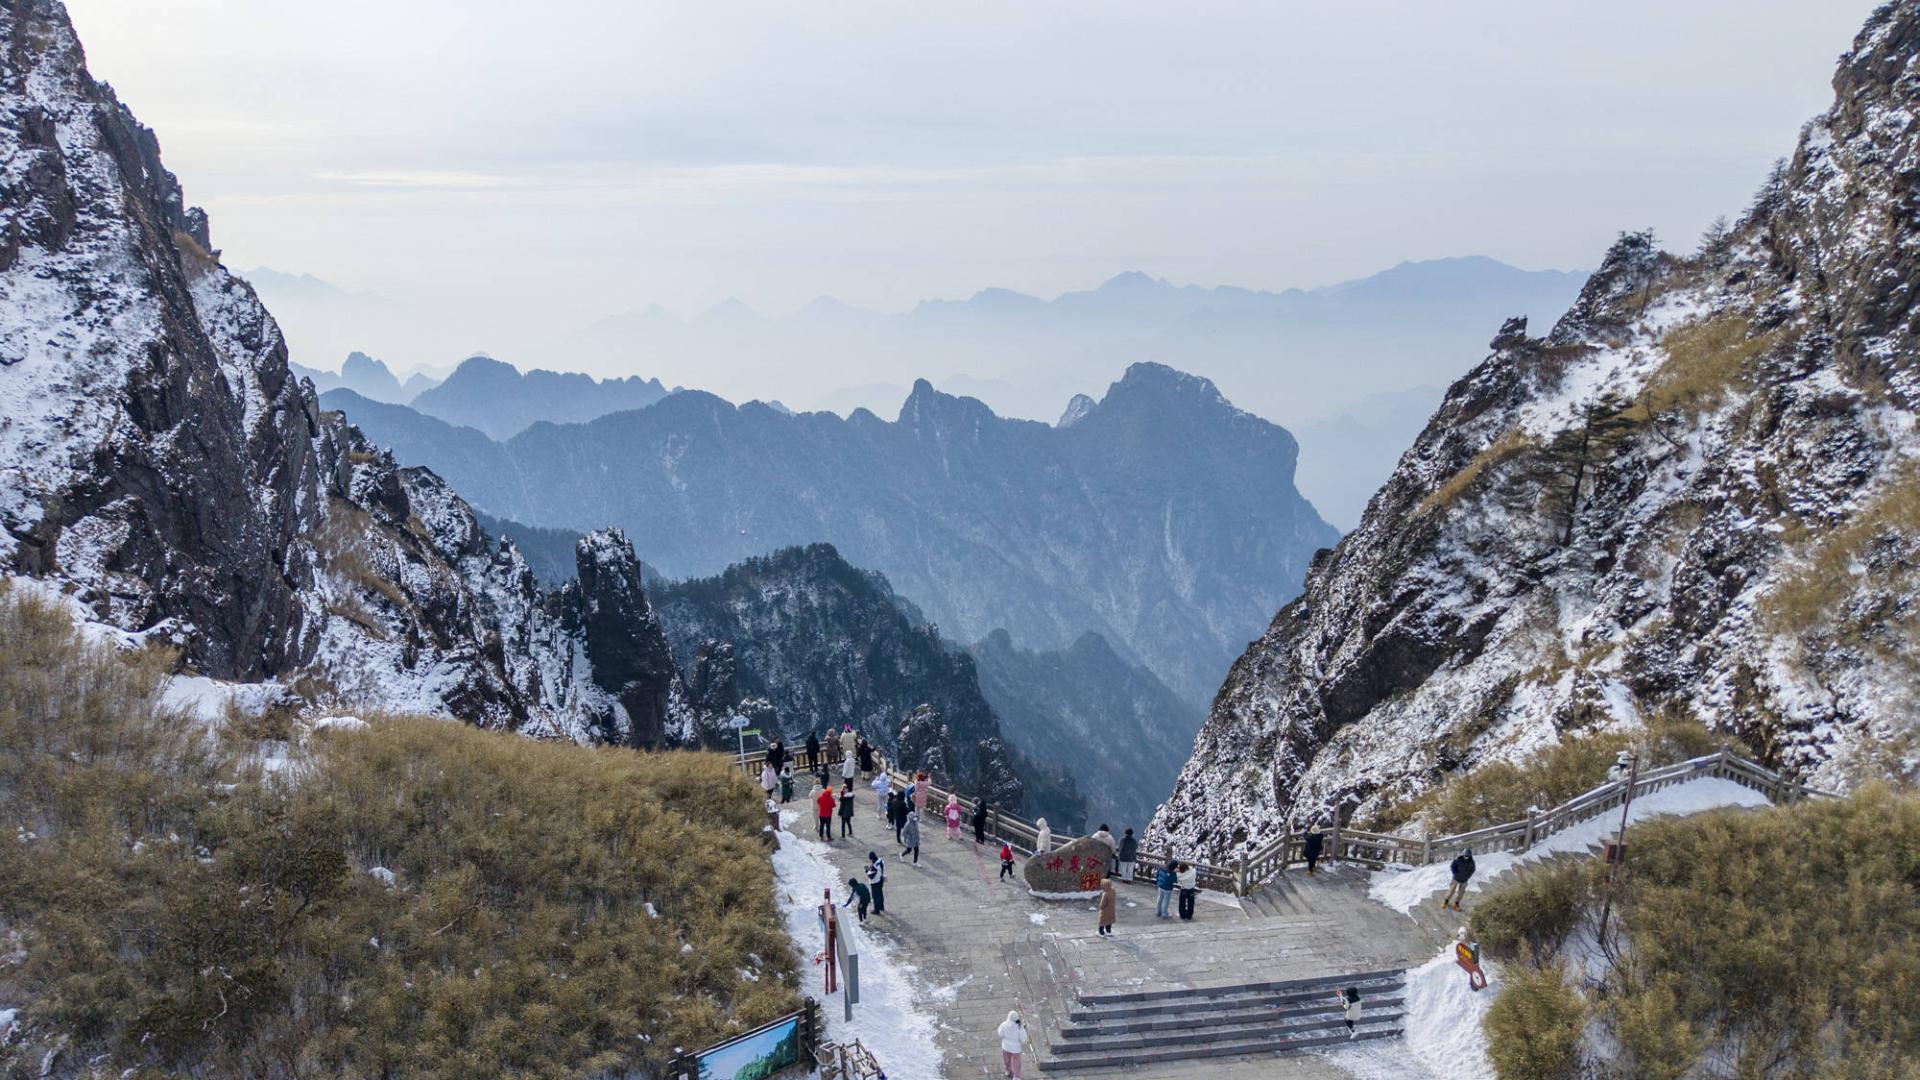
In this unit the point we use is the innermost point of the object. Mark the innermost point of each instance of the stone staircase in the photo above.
(1293, 894)
(1150, 1026)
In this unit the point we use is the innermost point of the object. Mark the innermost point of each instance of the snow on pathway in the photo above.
(890, 1018)
(1401, 890)
(1443, 1033)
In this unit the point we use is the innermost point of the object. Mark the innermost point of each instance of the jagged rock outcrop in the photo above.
(158, 458)
(1695, 496)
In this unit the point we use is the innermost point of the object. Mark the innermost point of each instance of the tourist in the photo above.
(1108, 902)
(1043, 837)
(1350, 999)
(1013, 1042)
(1462, 868)
(847, 766)
(898, 813)
(1129, 848)
(848, 741)
(776, 755)
(1163, 880)
(980, 821)
(1103, 835)
(846, 810)
(1310, 848)
(1188, 879)
(813, 749)
(786, 782)
(953, 816)
(912, 792)
(769, 778)
(920, 783)
(1006, 860)
(877, 881)
(858, 892)
(883, 797)
(824, 801)
(910, 839)
(864, 750)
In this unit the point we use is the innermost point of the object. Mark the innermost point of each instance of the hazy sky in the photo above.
(530, 166)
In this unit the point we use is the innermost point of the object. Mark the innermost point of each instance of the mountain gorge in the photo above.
(1161, 517)
(1694, 497)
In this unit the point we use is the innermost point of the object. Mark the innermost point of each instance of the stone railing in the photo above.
(1381, 850)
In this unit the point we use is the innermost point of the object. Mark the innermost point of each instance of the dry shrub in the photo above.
(181, 914)
(1534, 912)
(1826, 577)
(1536, 1027)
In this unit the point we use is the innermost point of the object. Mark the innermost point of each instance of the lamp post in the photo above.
(1616, 855)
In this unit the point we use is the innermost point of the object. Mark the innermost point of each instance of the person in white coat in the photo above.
(768, 779)
(1350, 999)
(1013, 1042)
(1042, 843)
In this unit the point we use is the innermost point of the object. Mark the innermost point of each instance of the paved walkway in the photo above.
(983, 946)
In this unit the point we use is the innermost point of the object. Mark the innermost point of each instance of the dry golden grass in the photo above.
(182, 914)
(1511, 442)
(1706, 359)
(1826, 575)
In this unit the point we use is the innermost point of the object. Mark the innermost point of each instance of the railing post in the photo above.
(1426, 847)
(1240, 876)
(1532, 818)
(1333, 839)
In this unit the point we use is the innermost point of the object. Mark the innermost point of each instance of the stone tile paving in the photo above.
(983, 946)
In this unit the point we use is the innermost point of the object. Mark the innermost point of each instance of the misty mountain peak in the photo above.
(1077, 408)
(1133, 283)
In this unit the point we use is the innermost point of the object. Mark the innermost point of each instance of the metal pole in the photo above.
(1620, 848)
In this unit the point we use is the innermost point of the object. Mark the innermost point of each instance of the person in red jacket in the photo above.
(1006, 860)
(824, 803)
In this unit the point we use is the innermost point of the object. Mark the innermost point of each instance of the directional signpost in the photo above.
(739, 726)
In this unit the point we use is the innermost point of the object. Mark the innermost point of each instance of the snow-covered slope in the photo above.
(1698, 494)
(159, 462)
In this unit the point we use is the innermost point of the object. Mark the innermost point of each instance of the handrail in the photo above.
(1380, 850)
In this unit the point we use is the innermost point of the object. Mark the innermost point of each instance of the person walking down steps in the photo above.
(1350, 1000)
(1013, 1043)
(1310, 849)
(877, 881)
(1462, 868)
(1006, 860)
(910, 838)
(1108, 903)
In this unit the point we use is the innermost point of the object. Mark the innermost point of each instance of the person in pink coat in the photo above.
(920, 794)
(953, 817)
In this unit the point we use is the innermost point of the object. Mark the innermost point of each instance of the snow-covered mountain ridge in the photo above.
(159, 462)
(1698, 494)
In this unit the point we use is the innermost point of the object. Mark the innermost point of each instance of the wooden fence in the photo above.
(1381, 850)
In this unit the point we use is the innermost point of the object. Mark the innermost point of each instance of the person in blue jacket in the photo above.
(1163, 880)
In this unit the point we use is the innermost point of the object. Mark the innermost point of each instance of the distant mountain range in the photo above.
(499, 400)
(368, 377)
(1162, 517)
(1290, 356)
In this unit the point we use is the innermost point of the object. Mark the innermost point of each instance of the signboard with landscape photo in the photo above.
(754, 1055)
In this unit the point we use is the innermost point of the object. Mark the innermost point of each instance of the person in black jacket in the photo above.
(1310, 848)
(1462, 873)
(776, 755)
(864, 752)
(877, 881)
(980, 821)
(1129, 849)
(846, 811)
(858, 892)
(813, 750)
(897, 812)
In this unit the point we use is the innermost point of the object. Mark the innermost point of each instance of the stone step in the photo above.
(1184, 993)
(1186, 1021)
(1215, 1033)
(1238, 997)
(1273, 1044)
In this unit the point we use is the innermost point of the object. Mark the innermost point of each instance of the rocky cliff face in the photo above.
(825, 645)
(1697, 495)
(157, 459)
(1161, 516)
